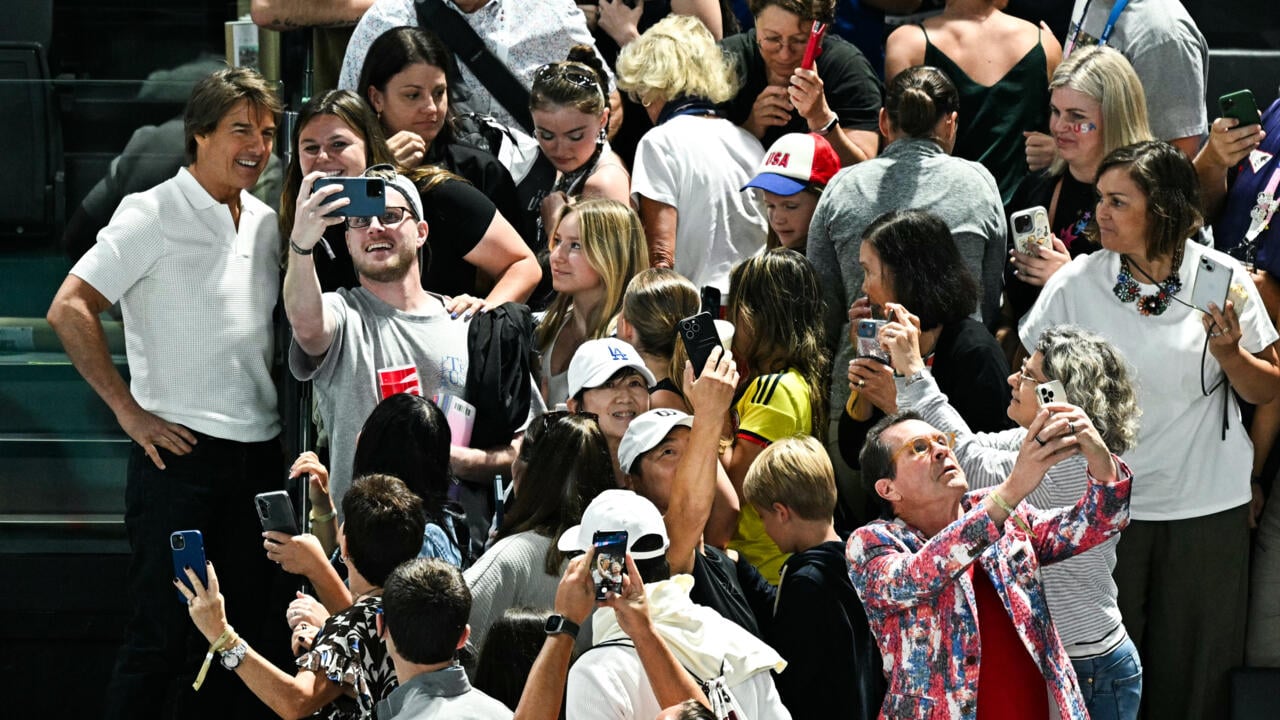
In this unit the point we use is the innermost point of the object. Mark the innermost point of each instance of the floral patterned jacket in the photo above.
(921, 605)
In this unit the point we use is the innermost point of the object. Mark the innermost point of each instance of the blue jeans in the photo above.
(1112, 683)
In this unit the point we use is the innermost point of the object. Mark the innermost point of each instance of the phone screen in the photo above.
(610, 561)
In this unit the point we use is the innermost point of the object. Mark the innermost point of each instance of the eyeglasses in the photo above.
(568, 73)
(774, 44)
(922, 444)
(390, 216)
(1025, 377)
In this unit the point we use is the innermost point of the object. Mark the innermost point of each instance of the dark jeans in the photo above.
(210, 489)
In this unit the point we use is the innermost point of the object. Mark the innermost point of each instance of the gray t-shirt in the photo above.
(377, 351)
(1167, 51)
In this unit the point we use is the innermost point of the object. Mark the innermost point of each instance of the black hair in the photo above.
(1169, 180)
(510, 647)
(874, 459)
(407, 436)
(382, 524)
(918, 98)
(425, 605)
(928, 276)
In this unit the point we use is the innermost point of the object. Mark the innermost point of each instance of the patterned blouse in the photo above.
(349, 652)
(921, 604)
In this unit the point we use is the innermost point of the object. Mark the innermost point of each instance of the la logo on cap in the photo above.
(777, 159)
(617, 353)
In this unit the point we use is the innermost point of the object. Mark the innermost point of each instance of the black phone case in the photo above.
(700, 337)
(275, 511)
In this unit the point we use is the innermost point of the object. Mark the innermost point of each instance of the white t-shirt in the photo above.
(197, 295)
(609, 683)
(1182, 467)
(698, 165)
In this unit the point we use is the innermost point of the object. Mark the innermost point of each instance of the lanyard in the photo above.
(1261, 214)
(686, 106)
(1106, 29)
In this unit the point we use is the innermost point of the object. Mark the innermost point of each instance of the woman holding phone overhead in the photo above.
(1182, 598)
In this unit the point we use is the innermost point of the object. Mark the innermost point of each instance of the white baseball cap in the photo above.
(597, 360)
(646, 431)
(618, 510)
(405, 187)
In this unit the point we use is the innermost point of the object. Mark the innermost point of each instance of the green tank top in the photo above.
(993, 117)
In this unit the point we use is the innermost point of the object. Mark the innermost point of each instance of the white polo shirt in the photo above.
(197, 296)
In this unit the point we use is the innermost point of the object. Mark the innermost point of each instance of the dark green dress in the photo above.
(993, 117)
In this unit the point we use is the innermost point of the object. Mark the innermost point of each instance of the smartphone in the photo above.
(1050, 392)
(499, 501)
(1213, 282)
(814, 48)
(1031, 229)
(610, 561)
(869, 341)
(368, 195)
(275, 511)
(1241, 106)
(711, 300)
(700, 338)
(188, 552)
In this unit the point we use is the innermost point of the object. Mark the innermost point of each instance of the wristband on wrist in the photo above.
(299, 249)
(826, 129)
(1017, 519)
(313, 517)
(214, 647)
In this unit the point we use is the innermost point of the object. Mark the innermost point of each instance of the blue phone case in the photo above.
(368, 195)
(188, 552)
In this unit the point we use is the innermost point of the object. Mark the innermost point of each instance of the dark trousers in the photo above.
(210, 489)
(1183, 586)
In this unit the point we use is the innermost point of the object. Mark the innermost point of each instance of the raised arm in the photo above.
(697, 475)
(312, 324)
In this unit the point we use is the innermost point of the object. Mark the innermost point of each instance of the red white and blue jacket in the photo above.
(921, 605)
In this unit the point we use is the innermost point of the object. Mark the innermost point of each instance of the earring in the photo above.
(604, 133)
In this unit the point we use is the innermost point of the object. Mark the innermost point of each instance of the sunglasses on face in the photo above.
(922, 444)
(389, 217)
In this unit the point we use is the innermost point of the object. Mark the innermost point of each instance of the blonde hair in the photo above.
(1103, 74)
(677, 57)
(613, 241)
(656, 301)
(796, 472)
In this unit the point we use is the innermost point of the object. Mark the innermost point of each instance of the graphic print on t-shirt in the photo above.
(399, 379)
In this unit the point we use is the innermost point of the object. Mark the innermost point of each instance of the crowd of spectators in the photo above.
(685, 427)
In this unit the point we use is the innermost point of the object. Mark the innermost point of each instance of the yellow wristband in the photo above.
(208, 657)
(1017, 519)
(313, 517)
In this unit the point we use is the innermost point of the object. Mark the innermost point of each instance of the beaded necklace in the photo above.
(1127, 289)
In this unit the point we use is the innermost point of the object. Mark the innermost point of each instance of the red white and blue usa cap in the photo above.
(795, 162)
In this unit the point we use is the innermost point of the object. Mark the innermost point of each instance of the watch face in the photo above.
(554, 623)
(231, 659)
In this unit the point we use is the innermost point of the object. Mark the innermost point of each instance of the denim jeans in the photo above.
(210, 489)
(1112, 683)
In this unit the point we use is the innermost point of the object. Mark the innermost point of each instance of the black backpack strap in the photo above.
(496, 77)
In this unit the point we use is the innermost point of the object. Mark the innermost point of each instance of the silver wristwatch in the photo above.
(234, 655)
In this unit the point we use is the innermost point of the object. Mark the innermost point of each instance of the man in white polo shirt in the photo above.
(193, 264)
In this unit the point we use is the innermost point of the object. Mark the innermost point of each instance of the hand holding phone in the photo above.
(1241, 106)
(1213, 283)
(869, 340)
(368, 195)
(187, 547)
(700, 337)
(609, 563)
(814, 48)
(1050, 392)
(275, 512)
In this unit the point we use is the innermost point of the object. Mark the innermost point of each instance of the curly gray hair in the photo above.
(1097, 380)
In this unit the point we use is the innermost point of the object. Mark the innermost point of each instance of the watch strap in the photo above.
(560, 625)
(825, 130)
